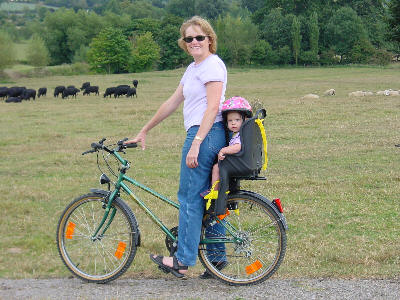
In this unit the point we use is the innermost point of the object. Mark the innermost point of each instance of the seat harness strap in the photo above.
(264, 137)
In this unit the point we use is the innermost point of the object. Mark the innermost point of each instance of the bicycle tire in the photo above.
(262, 247)
(100, 260)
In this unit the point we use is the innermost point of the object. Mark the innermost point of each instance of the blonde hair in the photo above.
(205, 27)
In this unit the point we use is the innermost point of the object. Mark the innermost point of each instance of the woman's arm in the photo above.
(165, 110)
(214, 92)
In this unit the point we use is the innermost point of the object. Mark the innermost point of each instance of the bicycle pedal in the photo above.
(165, 270)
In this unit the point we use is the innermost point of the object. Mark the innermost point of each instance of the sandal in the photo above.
(174, 270)
(218, 265)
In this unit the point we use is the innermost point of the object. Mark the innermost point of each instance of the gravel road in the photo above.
(194, 288)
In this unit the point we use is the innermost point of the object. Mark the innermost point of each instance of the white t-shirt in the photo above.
(194, 89)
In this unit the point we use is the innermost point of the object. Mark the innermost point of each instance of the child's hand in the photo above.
(221, 155)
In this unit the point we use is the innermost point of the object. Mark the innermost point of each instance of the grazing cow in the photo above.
(71, 91)
(109, 91)
(3, 92)
(16, 91)
(42, 92)
(91, 89)
(14, 100)
(131, 92)
(121, 90)
(85, 85)
(59, 90)
(28, 94)
(135, 83)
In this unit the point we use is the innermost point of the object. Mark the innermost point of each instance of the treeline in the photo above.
(131, 36)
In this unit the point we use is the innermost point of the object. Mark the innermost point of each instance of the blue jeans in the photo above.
(192, 183)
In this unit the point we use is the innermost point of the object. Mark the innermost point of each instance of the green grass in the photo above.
(332, 161)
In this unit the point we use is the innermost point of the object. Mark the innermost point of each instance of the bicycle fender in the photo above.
(102, 192)
(281, 216)
(105, 194)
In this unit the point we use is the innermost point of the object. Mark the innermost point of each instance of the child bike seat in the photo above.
(247, 163)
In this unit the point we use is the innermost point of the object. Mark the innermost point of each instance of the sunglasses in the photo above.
(198, 38)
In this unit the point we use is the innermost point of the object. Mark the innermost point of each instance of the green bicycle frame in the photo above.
(121, 185)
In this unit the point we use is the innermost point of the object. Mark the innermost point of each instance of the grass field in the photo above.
(332, 161)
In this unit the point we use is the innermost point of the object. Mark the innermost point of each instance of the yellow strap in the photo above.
(264, 137)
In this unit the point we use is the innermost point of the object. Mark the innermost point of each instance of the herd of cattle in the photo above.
(16, 94)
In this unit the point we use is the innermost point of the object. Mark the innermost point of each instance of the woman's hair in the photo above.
(205, 27)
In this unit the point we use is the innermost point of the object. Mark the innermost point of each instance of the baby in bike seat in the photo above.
(242, 157)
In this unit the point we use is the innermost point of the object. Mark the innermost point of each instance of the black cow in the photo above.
(14, 100)
(121, 90)
(16, 91)
(109, 91)
(71, 91)
(85, 85)
(28, 94)
(59, 90)
(3, 92)
(135, 83)
(131, 92)
(91, 89)
(42, 92)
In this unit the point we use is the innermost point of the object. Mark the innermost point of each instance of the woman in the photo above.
(202, 90)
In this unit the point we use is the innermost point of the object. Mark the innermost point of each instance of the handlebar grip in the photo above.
(89, 151)
(96, 145)
(131, 145)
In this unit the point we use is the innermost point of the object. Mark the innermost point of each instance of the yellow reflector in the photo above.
(254, 267)
(70, 230)
(120, 250)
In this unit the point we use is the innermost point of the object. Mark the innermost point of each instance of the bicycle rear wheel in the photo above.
(100, 259)
(255, 243)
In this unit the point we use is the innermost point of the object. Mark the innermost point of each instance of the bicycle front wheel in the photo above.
(251, 248)
(102, 258)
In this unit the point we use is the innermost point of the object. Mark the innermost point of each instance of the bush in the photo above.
(381, 57)
(309, 58)
(361, 52)
(69, 69)
(329, 57)
(284, 55)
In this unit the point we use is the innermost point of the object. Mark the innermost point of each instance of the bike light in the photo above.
(104, 179)
(278, 204)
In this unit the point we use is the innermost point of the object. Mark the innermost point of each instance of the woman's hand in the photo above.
(191, 157)
(140, 138)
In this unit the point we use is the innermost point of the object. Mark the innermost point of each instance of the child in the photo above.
(234, 112)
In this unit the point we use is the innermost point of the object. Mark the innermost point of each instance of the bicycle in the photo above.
(98, 234)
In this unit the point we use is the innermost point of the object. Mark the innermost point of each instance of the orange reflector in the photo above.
(70, 230)
(254, 267)
(221, 217)
(120, 250)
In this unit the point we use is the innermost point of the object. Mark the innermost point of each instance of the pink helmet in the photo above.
(236, 104)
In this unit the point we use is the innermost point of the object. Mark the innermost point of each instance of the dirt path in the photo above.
(194, 288)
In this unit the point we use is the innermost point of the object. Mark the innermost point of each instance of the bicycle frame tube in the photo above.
(121, 185)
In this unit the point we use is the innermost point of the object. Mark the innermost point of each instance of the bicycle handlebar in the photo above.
(120, 146)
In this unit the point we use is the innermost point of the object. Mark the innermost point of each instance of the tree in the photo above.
(344, 29)
(172, 56)
(109, 52)
(37, 55)
(210, 9)
(145, 53)
(296, 39)
(181, 8)
(276, 29)
(394, 20)
(236, 36)
(314, 33)
(7, 51)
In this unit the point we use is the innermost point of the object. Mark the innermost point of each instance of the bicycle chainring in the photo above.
(172, 246)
